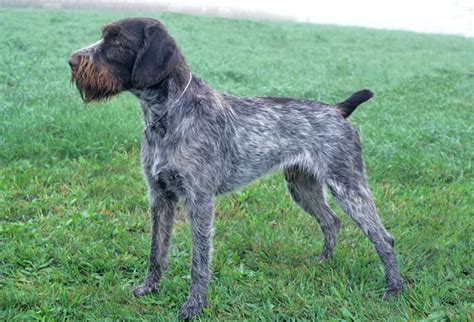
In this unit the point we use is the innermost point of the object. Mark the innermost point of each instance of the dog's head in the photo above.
(131, 54)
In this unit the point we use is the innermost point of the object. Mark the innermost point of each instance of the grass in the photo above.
(74, 228)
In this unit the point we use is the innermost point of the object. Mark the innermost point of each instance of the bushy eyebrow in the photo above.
(104, 28)
(109, 29)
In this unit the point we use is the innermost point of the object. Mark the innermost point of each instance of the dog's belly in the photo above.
(244, 171)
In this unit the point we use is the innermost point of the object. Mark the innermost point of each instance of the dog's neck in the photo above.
(158, 99)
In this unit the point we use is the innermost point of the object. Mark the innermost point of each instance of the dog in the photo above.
(198, 143)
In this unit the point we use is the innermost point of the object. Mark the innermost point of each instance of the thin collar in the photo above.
(152, 124)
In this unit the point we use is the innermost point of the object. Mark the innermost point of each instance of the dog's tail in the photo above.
(349, 105)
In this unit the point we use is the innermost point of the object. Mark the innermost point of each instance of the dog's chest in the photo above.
(158, 165)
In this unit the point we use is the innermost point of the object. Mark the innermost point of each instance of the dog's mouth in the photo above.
(93, 81)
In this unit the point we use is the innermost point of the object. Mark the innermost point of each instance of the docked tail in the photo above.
(349, 105)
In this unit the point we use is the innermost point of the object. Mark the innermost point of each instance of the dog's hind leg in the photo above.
(307, 191)
(349, 187)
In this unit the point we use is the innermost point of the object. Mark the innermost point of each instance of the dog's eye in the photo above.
(115, 41)
(112, 38)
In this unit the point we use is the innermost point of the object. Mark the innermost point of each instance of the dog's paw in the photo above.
(190, 308)
(144, 289)
(326, 253)
(391, 292)
(324, 256)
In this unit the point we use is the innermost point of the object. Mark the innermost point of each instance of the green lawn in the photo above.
(74, 228)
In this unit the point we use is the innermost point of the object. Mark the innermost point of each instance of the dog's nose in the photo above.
(74, 60)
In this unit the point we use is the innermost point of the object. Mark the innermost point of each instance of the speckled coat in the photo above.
(198, 143)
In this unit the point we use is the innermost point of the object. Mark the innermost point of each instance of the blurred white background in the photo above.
(432, 16)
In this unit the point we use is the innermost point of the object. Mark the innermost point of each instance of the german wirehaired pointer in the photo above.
(198, 143)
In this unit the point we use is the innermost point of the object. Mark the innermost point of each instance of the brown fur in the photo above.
(94, 81)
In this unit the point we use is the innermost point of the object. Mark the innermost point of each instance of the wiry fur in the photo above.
(94, 82)
(207, 143)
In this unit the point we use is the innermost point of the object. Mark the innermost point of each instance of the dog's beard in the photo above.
(94, 82)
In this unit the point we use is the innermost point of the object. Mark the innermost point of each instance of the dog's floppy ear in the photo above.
(155, 59)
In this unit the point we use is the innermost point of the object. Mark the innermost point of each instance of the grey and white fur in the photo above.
(198, 143)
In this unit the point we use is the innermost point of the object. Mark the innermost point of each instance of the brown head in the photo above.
(131, 54)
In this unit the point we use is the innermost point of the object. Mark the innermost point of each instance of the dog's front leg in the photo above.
(163, 205)
(201, 216)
